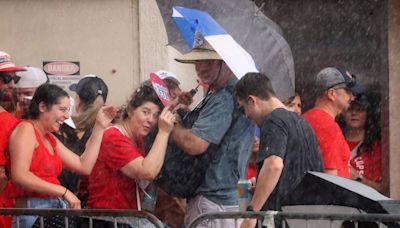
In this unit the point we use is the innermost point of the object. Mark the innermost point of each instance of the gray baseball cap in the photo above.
(332, 77)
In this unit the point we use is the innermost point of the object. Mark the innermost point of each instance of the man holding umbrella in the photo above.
(220, 130)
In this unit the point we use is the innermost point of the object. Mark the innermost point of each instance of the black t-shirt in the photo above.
(289, 136)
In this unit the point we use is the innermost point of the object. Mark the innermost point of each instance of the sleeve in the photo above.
(273, 140)
(117, 150)
(215, 118)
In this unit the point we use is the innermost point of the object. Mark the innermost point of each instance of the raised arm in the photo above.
(147, 168)
(84, 164)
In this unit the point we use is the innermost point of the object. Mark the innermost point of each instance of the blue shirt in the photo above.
(231, 137)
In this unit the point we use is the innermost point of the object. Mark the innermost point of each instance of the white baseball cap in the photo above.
(31, 78)
(163, 74)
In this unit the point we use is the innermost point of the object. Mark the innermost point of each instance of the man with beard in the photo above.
(217, 138)
(334, 95)
(8, 79)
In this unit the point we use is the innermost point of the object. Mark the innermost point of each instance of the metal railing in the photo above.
(305, 219)
(114, 216)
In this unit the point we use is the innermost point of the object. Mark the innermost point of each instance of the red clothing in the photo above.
(368, 164)
(251, 170)
(44, 165)
(108, 186)
(8, 122)
(333, 146)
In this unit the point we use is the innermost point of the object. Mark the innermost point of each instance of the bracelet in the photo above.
(66, 190)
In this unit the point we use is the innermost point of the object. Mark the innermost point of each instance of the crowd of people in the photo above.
(93, 155)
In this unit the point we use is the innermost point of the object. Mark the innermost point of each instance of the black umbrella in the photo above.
(256, 33)
(323, 189)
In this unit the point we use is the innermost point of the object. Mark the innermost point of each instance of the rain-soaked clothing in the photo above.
(287, 135)
(8, 122)
(109, 188)
(234, 137)
(333, 145)
(45, 165)
(367, 163)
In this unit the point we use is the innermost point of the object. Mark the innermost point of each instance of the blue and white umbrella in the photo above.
(200, 30)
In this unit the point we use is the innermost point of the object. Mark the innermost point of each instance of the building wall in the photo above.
(100, 34)
(394, 96)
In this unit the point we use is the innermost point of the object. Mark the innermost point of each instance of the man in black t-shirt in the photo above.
(288, 146)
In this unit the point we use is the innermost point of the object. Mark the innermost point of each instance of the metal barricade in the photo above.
(306, 220)
(116, 217)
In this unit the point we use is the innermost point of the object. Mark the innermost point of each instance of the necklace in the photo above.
(128, 132)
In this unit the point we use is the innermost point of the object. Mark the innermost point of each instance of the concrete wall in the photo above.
(394, 96)
(100, 34)
(121, 41)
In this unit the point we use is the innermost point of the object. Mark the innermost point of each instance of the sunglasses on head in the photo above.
(7, 78)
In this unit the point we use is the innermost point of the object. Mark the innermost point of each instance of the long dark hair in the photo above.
(373, 122)
(49, 94)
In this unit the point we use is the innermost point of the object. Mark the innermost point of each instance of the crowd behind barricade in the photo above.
(173, 161)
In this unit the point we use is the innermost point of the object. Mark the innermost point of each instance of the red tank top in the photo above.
(44, 165)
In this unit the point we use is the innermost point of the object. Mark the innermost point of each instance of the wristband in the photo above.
(66, 190)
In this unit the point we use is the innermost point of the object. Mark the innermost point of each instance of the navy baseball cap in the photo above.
(89, 87)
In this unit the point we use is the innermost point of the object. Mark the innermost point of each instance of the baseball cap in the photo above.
(89, 87)
(163, 74)
(360, 92)
(31, 78)
(6, 63)
(198, 54)
(335, 77)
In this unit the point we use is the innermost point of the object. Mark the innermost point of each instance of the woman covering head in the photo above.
(121, 162)
(362, 131)
(91, 95)
(37, 157)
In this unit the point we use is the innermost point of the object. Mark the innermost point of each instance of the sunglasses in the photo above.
(7, 78)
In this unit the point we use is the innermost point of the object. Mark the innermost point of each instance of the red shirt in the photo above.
(7, 124)
(333, 146)
(368, 164)
(108, 186)
(44, 165)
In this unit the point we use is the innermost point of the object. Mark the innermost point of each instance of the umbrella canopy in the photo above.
(252, 30)
(200, 30)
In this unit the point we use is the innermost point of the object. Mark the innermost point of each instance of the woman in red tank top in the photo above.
(37, 157)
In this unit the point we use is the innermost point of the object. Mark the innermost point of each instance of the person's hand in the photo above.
(248, 223)
(73, 201)
(166, 120)
(105, 115)
(354, 174)
(185, 98)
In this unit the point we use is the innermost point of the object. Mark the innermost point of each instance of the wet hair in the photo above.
(87, 118)
(142, 95)
(372, 124)
(49, 94)
(256, 84)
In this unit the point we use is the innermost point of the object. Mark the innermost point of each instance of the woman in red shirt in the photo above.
(37, 157)
(362, 132)
(121, 164)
